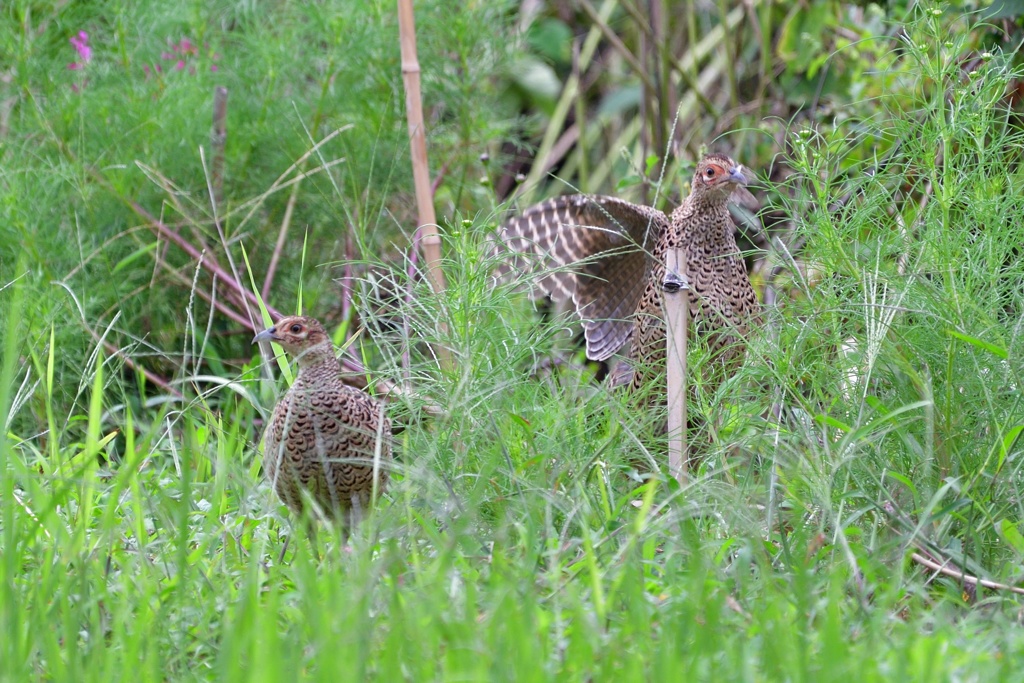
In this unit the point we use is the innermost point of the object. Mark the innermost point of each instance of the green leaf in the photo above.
(650, 164)
(1008, 530)
(905, 480)
(132, 257)
(876, 404)
(551, 38)
(628, 181)
(801, 35)
(537, 80)
(620, 100)
(833, 422)
(302, 271)
(1003, 9)
(1008, 441)
(282, 361)
(994, 349)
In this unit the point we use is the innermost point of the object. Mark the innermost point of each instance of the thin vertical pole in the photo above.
(677, 309)
(429, 239)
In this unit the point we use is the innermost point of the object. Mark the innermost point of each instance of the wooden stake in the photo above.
(675, 289)
(429, 239)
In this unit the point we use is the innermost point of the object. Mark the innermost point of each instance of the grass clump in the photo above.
(908, 388)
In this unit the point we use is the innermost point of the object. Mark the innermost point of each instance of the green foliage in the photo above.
(904, 378)
(131, 125)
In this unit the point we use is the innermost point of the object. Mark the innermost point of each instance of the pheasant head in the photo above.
(304, 339)
(717, 177)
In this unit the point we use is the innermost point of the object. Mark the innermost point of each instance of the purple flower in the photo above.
(81, 45)
(184, 54)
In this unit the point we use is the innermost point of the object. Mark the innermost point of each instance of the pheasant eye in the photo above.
(710, 173)
(296, 328)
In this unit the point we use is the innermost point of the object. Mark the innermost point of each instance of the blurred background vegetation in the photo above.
(617, 97)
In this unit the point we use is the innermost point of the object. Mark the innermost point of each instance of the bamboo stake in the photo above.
(677, 307)
(429, 239)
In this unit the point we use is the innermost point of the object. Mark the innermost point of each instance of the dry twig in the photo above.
(960, 575)
(218, 138)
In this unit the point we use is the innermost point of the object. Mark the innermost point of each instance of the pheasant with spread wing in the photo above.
(608, 256)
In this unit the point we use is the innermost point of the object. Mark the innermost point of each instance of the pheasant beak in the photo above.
(736, 175)
(269, 334)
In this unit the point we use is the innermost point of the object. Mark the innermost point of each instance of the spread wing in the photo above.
(593, 250)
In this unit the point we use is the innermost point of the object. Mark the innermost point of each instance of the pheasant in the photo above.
(325, 439)
(608, 256)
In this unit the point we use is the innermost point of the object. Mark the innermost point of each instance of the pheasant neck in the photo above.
(315, 356)
(713, 225)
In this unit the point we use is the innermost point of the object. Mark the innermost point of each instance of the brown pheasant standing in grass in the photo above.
(324, 438)
(608, 256)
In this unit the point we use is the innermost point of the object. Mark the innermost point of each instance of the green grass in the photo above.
(518, 541)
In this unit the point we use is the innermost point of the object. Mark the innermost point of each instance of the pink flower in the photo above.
(81, 45)
(185, 53)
